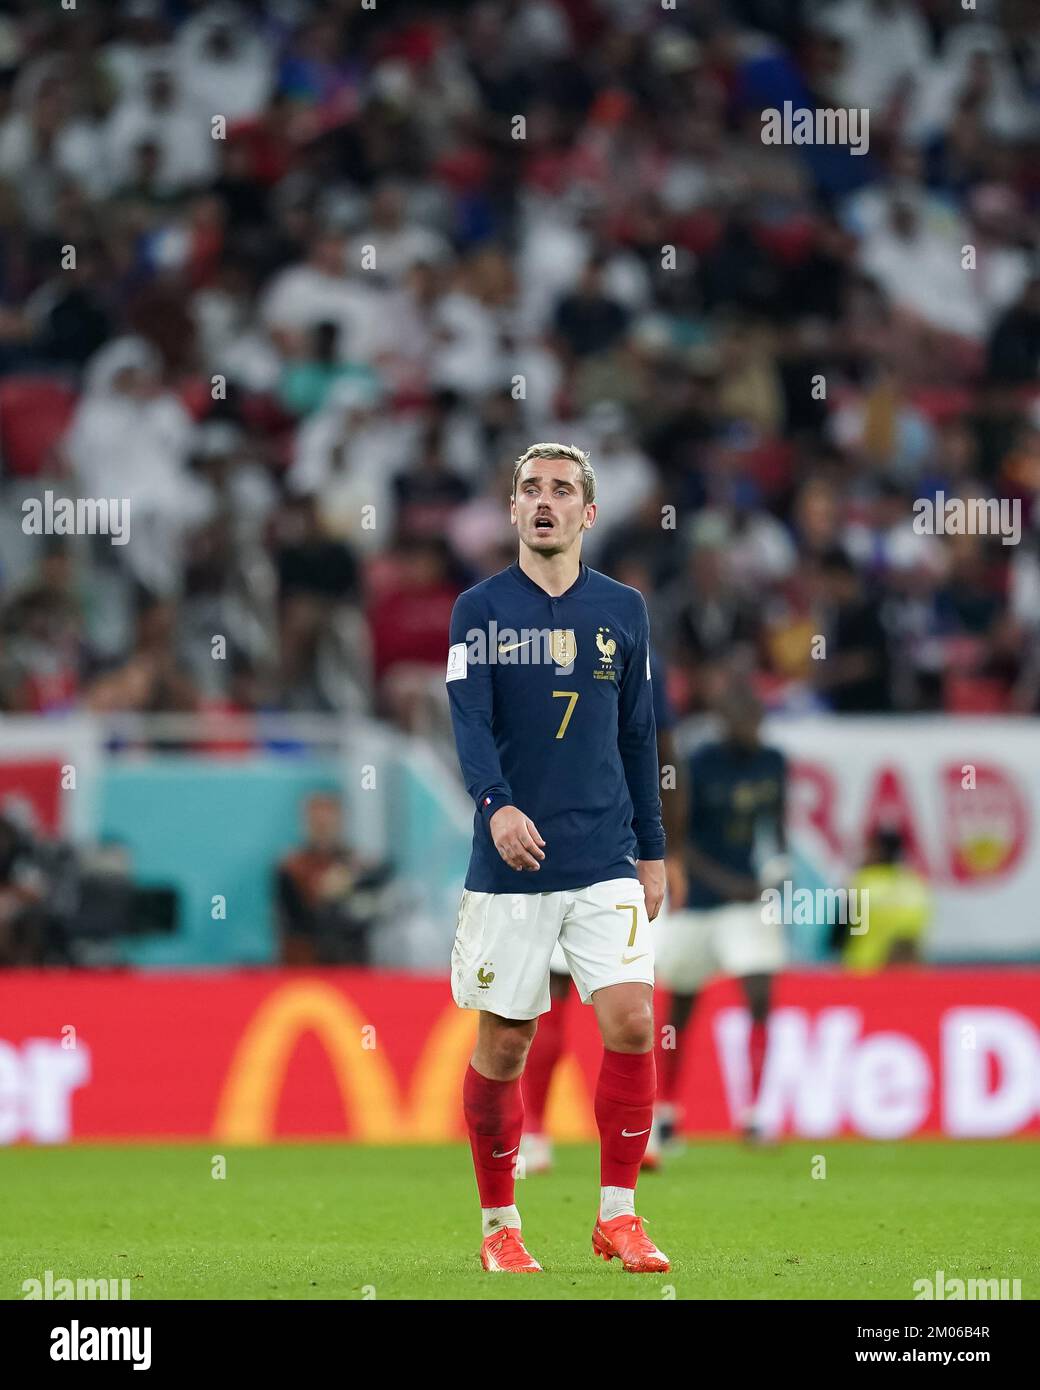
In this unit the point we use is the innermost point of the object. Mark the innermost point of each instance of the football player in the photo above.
(736, 798)
(551, 702)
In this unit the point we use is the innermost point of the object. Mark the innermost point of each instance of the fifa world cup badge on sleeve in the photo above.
(456, 663)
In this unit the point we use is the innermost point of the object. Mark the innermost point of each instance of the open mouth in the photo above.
(543, 525)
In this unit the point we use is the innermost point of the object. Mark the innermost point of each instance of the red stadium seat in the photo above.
(34, 414)
(974, 695)
(942, 403)
(381, 574)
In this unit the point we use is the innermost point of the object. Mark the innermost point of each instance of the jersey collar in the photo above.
(528, 583)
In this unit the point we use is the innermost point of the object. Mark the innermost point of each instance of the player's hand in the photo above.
(675, 877)
(651, 875)
(516, 838)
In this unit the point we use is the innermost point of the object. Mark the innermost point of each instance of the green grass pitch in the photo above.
(299, 1221)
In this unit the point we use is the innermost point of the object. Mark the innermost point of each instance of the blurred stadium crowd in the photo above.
(310, 350)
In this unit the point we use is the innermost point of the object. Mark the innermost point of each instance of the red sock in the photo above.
(624, 1113)
(545, 1052)
(495, 1118)
(757, 1052)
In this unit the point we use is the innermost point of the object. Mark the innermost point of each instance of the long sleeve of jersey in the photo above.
(637, 744)
(470, 696)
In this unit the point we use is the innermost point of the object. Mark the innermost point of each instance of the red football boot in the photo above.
(623, 1238)
(503, 1252)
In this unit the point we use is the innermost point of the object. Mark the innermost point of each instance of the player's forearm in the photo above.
(478, 758)
(641, 777)
(482, 772)
(637, 745)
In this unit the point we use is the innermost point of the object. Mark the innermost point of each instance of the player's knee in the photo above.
(511, 1048)
(632, 1028)
(502, 1046)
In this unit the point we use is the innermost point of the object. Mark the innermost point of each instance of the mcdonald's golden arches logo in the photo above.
(367, 1083)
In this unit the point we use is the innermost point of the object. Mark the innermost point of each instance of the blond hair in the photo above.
(560, 451)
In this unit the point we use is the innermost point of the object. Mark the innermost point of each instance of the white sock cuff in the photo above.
(494, 1218)
(617, 1201)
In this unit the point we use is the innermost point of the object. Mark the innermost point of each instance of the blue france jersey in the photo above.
(552, 706)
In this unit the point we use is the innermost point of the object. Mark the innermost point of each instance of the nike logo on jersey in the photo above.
(627, 960)
(496, 1154)
(634, 1134)
(512, 646)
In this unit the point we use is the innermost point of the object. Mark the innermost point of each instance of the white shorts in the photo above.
(558, 961)
(732, 939)
(504, 943)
